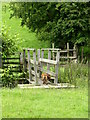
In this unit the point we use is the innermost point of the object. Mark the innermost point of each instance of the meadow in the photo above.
(44, 103)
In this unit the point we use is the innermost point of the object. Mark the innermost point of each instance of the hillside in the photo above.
(29, 38)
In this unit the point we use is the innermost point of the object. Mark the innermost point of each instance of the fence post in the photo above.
(25, 65)
(21, 60)
(74, 53)
(49, 57)
(29, 66)
(57, 66)
(39, 64)
(42, 55)
(68, 51)
(35, 66)
(53, 51)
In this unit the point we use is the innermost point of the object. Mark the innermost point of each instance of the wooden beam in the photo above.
(50, 49)
(49, 58)
(29, 66)
(48, 61)
(35, 67)
(56, 67)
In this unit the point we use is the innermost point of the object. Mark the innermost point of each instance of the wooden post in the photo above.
(35, 66)
(74, 53)
(39, 63)
(29, 66)
(21, 61)
(56, 67)
(53, 51)
(68, 51)
(42, 55)
(25, 65)
(49, 57)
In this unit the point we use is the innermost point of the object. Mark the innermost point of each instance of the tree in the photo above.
(56, 22)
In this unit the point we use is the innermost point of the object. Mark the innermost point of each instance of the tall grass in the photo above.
(74, 73)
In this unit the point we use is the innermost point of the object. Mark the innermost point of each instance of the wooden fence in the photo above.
(66, 54)
(14, 62)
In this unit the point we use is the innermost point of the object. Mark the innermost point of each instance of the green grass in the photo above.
(45, 103)
(29, 38)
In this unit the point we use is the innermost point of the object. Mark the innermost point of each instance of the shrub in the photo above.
(9, 78)
(9, 42)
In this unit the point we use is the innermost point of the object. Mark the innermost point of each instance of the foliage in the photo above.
(56, 22)
(9, 42)
(9, 78)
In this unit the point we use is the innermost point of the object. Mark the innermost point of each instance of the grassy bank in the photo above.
(45, 103)
(28, 38)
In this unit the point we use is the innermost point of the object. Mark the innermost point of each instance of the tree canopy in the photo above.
(56, 22)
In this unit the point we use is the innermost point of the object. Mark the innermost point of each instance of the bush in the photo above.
(9, 42)
(9, 48)
(9, 78)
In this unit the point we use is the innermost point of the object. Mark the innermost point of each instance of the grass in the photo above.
(28, 38)
(45, 103)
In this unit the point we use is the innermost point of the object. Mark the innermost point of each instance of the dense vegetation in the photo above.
(56, 22)
(9, 42)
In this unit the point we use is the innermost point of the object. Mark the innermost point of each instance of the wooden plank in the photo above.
(39, 63)
(75, 54)
(32, 62)
(67, 50)
(55, 49)
(29, 66)
(56, 67)
(48, 61)
(24, 56)
(35, 67)
(49, 58)
(63, 51)
(21, 61)
(72, 50)
(31, 49)
(68, 57)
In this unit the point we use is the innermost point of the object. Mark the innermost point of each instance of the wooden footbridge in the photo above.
(35, 62)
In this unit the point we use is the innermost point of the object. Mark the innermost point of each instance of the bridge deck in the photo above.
(58, 86)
